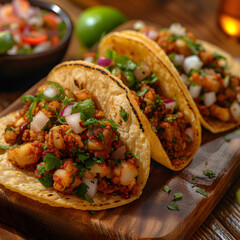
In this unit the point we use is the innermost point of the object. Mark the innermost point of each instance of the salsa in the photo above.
(25, 29)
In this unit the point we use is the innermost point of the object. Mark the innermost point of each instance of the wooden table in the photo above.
(199, 17)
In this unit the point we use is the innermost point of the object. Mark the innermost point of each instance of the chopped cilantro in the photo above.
(154, 129)
(124, 63)
(41, 169)
(143, 92)
(46, 181)
(177, 196)
(189, 139)
(152, 79)
(132, 155)
(9, 128)
(101, 136)
(52, 162)
(80, 190)
(209, 173)
(98, 160)
(194, 185)
(171, 118)
(92, 212)
(174, 140)
(90, 122)
(83, 156)
(202, 191)
(88, 198)
(86, 108)
(167, 188)
(110, 54)
(194, 177)
(66, 101)
(124, 114)
(218, 56)
(5, 147)
(227, 139)
(114, 125)
(44, 105)
(173, 206)
(172, 56)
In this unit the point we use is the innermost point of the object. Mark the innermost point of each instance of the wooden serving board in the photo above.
(147, 217)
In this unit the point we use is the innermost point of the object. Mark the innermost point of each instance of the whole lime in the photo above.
(96, 21)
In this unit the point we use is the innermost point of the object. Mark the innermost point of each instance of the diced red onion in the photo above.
(178, 59)
(152, 34)
(209, 98)
(104, 62)
(19, 9)
(119, 153)
(170, 103)
(39, 121)
(177, 29)
(42, 47)
(92, 186)
(50, 92)
(192, 62)
(67, 110)
(138, 25)
(73, 121)
(235, 111)
(226, 81)
(142, 71)
(184, 79)
(189, 133)
(195, 91)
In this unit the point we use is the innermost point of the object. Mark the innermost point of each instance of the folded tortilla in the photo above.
(136, 47)
(111, 95)
(212, 124)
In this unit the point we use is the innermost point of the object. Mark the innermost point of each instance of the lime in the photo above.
(6, 41)
(238, 196)
(96, 21)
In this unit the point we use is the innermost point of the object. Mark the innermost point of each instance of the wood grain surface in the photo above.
(199, 17)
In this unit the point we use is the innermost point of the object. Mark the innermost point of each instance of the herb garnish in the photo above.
(52, 162)
(46, 181)
(202, 191)
(227, 139)
(124, 114)
(5, 147)
(177, 196)
(86, 108)
(209, 173)
(167, 188)
(173, 206)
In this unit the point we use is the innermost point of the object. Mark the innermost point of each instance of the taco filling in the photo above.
(174, 132)
(215, 91)
(66, 140)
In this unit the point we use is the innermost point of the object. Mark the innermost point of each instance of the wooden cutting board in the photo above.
(146, 218)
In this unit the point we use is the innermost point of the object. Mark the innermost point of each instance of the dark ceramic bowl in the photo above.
(22, 71)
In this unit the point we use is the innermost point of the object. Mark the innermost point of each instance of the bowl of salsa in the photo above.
(34, 37)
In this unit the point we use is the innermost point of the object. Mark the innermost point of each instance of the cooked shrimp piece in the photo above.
(56, 136)
(26, 154)
(125, 174)
(84, 95)
(65, 181)
(10, 136)
(101, 169)
(221, 113)
(68, 166)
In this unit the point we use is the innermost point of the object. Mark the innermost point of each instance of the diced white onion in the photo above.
(142, 71)
(226, 81)
(152, 34)
(13, 50)
(195, 91)
(88, 59)
(177, 29)
(238, 97)
(209, 98)
(42, 47)
(92, 186)
(178, 59)
(184, 79)
(189, 133)
(119, 153)
(50, 92)
(73, 121)
(39, 121)
(36, 20)
(191, 62)
(235, 111)
(138, 25)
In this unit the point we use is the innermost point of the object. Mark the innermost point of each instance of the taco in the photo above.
(168, 116)
(77, 143)
(210, 75)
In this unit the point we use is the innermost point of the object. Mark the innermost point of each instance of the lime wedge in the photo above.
(6, 41)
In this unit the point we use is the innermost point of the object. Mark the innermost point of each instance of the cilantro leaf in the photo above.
(124, 63)
(101, 136)
(209, 173)
(167, 188)
(124, 114)
(41, 169)
(98, 160)
(173, 206)
(218, 56)
(80, 190)
(143, 92)
(177, 196)
(46, 181)
(152, 79)
(114, 125)
(86, 108)
(202, 191)
(227, 139)
(52, 161)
